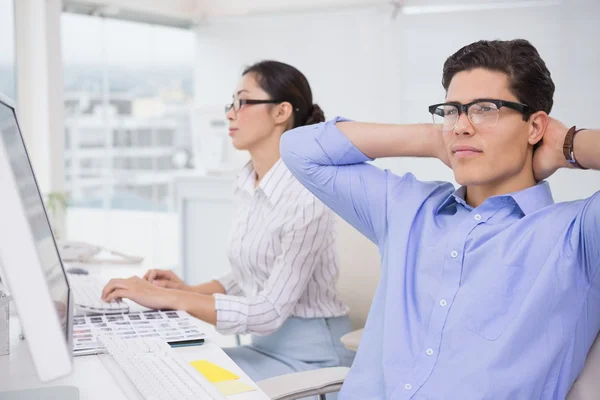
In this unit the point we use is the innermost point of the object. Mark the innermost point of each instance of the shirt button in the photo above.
(477, 217)
(408, 386)
(454, 254)
(429, 352)
(443, 303)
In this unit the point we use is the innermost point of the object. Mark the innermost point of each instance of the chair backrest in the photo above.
(587, 386)
(359, 271)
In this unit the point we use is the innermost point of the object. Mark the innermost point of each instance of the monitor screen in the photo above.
(36, 214)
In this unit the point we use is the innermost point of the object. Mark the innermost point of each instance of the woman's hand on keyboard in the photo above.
(166, 279)
(141, 291)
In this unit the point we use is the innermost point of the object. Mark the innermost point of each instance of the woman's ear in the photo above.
(282, 113)
(539, 122)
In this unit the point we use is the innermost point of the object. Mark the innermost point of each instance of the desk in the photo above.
(90, 373)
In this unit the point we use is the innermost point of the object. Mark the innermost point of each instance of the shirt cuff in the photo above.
(232, 314)
(337, 146)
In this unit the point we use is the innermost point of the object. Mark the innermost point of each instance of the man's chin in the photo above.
(469, 178)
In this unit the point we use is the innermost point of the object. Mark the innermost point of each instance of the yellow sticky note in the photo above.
(213, 372)
(233, 387)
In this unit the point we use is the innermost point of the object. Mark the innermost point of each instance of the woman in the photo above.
(283, 260)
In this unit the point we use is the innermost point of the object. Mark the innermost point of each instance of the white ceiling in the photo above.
(178, 13)
(186, 13)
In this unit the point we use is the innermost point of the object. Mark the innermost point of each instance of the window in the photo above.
(122, 163)
(128, 98)
(7, 49)
(144, 138)
(122, 138)
(164, 163)
(145, 163)
(165, 137)
(91, 163)
(90, 137)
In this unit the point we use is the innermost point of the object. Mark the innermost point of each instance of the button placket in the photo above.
(454, 251)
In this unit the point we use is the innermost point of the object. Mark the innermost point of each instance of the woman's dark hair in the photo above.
(285, 83)
(528, 76)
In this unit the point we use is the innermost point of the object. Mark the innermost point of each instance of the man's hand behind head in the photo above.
(548, 157)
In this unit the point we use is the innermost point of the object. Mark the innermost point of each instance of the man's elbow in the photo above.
(298, 148)
(290, 145)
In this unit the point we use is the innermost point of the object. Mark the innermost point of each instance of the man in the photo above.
(491, 291)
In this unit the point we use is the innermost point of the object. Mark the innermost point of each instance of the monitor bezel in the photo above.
(50, 346)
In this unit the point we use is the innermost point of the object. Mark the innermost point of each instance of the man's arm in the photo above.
(587, 148)
(589, 241)
(587, 152)
(549, 157)
(390, 140)
(330, 160)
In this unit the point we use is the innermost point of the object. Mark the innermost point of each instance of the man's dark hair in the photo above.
(528, 76)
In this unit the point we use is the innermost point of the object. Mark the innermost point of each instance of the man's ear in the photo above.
(539, 122)
(282, 113)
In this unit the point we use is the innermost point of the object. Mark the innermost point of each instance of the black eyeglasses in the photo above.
(482, 112)
(238, 103)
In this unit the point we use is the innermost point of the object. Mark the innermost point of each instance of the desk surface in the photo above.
(90, 373)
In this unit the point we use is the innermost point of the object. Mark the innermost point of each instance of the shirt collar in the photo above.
(529, 200)
(245, 179)
(534, 198)
(270, 185)
(458, 197)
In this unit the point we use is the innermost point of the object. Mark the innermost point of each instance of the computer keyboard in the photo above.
(87, 292)
(157, 371)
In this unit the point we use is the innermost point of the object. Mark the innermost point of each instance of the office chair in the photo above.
(587, 386)
(359, 275)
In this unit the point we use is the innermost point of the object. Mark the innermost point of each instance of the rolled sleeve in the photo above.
(336, 146)
(328, 164)
(232, 313)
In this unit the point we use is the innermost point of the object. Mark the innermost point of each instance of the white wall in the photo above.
(364, 65)
(151, 235)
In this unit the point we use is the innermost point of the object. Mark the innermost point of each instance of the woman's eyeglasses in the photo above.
(238, 103)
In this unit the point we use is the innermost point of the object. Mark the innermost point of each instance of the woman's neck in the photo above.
(263, 158)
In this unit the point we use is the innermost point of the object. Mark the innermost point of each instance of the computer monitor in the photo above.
(32, 268)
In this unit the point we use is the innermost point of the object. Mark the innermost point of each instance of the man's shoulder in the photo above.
(574, 206)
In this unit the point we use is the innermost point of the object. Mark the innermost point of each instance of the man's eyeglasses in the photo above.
(481, 112)
(238, 103)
